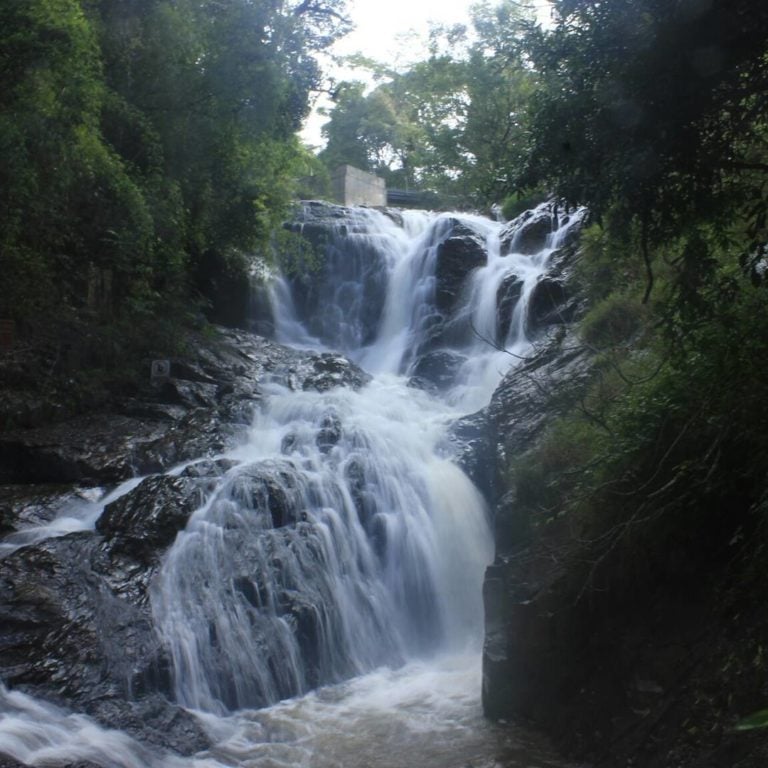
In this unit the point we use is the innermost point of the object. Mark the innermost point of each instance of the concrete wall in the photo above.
(351, 186)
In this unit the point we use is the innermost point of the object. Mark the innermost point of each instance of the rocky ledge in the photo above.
(75, 620)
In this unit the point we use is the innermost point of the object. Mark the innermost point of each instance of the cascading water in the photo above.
(343, 542)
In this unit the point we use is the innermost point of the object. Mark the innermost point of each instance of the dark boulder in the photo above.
(507, 296)
(23, 506)
(528, 233)
(553, 300)
(461, 252)
(201, 410)
(438, 368)
(329, 433)
(340, 291)
(71, 635)
(474, 450)
(328, 371)
(199, 433)
(209, 468)
(89, 449)
(270, 489)
(549, 304)
(144, 522)
(76, 627)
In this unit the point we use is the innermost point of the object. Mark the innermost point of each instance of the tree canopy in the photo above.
(655, 104)
(142, 142)
(453, 122)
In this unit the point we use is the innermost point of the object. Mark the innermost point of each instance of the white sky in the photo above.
(383, 32)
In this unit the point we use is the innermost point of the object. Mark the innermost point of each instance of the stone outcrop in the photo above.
(528, 232)
(202, 408)
(75, 620)
(458, 255)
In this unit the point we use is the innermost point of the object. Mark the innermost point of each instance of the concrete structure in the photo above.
(351, 186)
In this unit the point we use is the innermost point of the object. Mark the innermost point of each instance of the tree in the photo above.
(144, 144)
(450, 123)
(652, 105)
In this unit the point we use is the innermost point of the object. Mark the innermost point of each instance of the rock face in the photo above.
(528, 232)
(77, 631)
(522, 407)
(340, 291)
(342, 300)
(75, 620)
(461, 252)
(201, 409)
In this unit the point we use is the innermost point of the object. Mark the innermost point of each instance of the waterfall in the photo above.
(342, 543)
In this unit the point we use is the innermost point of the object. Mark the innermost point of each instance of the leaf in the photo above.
(757, 719)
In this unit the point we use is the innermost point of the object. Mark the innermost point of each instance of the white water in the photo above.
(371, 586)
(422, 714)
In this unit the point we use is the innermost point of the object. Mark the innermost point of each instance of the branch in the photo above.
(646, 259)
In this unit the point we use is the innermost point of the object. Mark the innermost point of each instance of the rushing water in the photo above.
(323, 607)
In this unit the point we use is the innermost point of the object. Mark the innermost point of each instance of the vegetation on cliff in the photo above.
(146, 146)
(649, 492)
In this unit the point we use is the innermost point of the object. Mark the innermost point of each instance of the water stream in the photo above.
(323, 608)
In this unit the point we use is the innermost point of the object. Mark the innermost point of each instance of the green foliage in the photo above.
(651, 107)
(757, 719)
(518, 203)
(453, 123)
(613, 322)
(670, 436)
(546, 476)
(143, 144)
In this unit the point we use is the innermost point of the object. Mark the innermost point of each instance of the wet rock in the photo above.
(91, 449)
(156, 427)
(303, 614)
(77, 631)
(474, 450)
(289, 443)
(22, 506)
(553, 301)
(153, 720)
(209, 468)
(72, 639)
(549, 304)
(341, 298)
(75, 622)
(507, 296)
(271, 490)
(200, 433)
(439, 367)
(144, 522)
(329, 433)
(461, 252)
(354, 473)
(191, 394)
(527, 234)
(6, 761)
(520, 406)
(329, 371)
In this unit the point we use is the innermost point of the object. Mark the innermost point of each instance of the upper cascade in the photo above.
(435, 297)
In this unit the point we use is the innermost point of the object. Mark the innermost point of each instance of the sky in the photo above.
(383, 32)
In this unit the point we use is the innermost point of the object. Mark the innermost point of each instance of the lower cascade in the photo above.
(322, 604)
